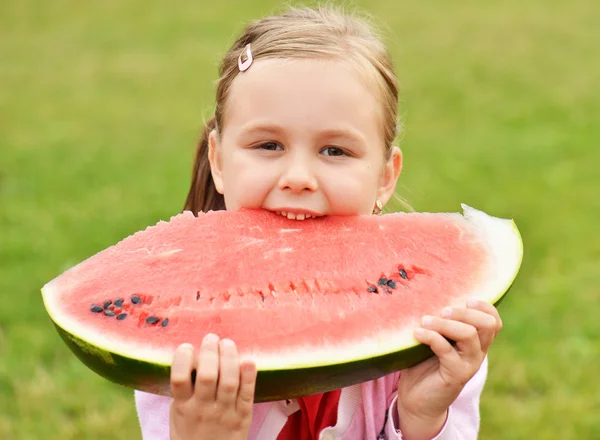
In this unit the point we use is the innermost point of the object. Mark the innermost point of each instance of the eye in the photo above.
(333, 151)
(270, 146)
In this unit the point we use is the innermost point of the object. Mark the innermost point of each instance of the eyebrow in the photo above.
(334, 132)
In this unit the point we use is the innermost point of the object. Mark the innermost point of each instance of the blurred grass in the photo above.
(101, 105)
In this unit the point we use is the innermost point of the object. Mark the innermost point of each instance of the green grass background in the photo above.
(101, 103)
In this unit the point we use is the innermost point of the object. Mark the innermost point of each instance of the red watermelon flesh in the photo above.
(292, 294)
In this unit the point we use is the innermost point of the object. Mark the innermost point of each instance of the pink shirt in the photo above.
(362, 413)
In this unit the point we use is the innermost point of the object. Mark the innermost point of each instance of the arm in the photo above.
(427, 392)
(462, 421)
(153, 414)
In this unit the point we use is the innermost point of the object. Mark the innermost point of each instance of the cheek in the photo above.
(245, 185)
(353, 192)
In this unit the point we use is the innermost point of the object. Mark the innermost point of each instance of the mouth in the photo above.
(298, 214)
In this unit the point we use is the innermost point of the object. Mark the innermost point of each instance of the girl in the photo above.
(305, 120)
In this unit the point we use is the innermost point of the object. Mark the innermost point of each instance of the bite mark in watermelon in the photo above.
(318, 304)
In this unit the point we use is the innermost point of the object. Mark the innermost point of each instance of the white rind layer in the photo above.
(506, 253)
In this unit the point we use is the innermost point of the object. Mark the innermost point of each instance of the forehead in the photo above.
(307, 94)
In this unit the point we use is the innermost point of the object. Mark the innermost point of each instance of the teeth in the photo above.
(292, 216)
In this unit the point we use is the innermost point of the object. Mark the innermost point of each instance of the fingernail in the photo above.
(447, 312)
(472, 302)
(419, 332)
(186, 346)
(227, 343)
(210, 338)
(426, 321)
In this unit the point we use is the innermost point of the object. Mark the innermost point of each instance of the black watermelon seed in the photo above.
(391, 283)
(97, 309)
(119, 302)
(107, 303)
(108, 312)
(135, 299)
(382, 281)
(121, 316)
(403, 274)
(193, 377)
(372, 289)
(152, 319)
(165, 322)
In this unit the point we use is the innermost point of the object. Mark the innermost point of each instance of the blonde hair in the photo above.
(324, 32)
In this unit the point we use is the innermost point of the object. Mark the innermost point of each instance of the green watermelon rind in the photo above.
(272, 384)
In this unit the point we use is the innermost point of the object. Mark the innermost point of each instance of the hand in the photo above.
(219, 405)
(426, 391)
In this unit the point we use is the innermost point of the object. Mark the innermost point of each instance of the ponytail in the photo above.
(203, 196)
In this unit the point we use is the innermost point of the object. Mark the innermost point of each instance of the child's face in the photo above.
(303, 137)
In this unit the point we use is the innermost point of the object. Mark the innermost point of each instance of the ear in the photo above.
(214, 157)
(391, 172)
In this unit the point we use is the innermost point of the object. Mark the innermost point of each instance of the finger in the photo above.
(441, 347)
(465, 336)
(245, 398)
(483, 322)
(181, 372)
(489, 309)
(207, 372)
(229, 373)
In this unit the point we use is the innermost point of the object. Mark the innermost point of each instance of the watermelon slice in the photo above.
(318, 304)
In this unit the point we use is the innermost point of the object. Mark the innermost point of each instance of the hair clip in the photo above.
(245, 64)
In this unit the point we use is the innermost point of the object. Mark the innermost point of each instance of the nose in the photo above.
(298, 176)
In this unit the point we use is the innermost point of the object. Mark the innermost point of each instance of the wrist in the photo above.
(420, 426)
